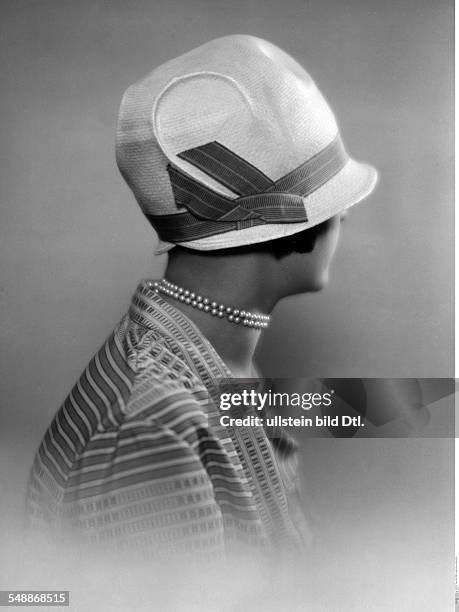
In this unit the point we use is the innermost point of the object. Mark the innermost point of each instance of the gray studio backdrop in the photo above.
(74, 244)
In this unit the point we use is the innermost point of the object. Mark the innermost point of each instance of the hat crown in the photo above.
(241, 91)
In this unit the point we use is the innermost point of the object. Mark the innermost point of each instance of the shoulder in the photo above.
(165, 390)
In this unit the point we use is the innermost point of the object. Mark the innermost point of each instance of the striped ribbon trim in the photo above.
(259, 201)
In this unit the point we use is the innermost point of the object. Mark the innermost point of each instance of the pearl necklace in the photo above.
(234, 315)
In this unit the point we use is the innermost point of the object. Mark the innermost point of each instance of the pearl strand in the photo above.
(234, 315)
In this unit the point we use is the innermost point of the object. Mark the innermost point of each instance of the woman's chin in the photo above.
(320, 281)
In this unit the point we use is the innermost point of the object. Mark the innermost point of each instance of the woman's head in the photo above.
(284, 266)
(311, 273)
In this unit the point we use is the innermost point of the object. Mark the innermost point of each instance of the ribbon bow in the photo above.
(260, 200)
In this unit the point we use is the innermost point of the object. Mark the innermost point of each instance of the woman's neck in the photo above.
(232, 281)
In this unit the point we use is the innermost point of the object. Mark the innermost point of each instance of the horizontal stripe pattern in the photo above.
(136, 456)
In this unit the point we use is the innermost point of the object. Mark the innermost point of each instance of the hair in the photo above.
(301, 242)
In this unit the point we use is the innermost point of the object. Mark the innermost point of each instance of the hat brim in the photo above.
(351, 185)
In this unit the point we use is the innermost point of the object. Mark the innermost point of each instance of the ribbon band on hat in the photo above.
(260, 199)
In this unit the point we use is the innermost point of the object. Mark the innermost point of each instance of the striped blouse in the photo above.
(137, 457)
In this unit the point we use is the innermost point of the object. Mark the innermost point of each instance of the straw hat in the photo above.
(233, 144)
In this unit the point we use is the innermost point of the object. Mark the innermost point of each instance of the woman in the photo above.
(236, 160)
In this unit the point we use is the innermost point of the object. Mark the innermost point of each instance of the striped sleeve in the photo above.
(141, 486)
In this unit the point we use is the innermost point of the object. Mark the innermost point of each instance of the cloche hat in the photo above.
(232, 144)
